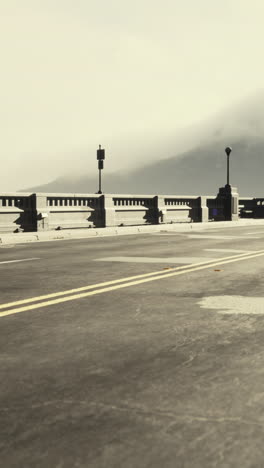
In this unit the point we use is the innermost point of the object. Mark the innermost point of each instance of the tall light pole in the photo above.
(228, 151)
(100, 158)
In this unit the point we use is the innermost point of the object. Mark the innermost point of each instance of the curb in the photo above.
(21, 238)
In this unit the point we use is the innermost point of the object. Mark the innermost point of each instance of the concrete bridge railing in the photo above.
(66, 211)
(16, 212)
(52, 211)
(251, 207)
(153, 209)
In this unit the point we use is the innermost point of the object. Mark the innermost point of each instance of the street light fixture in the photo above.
(228, 151)
(100, 158)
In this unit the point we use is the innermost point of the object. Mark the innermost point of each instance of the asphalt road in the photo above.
(159, 366)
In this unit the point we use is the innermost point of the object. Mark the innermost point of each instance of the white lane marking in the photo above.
(251, 237)
(168, 233)
(234, 304)
(229, 250)
(249, 233)
(21, 260)
(208, 236)
(155, 259)
(200, 236)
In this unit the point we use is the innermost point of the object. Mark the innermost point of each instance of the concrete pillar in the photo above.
(161, 208)
(203, 209)
(41, 209)
(109, 211)
(235, 204)
(230, 198)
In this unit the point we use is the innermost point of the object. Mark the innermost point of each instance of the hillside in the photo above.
(199, 170)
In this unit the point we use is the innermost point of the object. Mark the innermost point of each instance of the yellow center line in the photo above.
(130, 283)
(120, 280)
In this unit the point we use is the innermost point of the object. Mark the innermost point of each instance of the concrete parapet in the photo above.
(64, 211)
(181, 208)
(43, 212)
(133, 210)
(16, 212)
(250, 207)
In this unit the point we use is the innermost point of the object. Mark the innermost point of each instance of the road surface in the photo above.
(134, 351)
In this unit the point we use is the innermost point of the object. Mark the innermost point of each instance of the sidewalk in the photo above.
(21, 238)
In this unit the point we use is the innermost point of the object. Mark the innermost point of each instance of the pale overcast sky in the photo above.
(124, 73)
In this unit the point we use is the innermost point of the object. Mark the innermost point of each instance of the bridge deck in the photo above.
(133, 351)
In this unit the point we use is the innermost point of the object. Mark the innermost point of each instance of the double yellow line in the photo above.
(72, 294)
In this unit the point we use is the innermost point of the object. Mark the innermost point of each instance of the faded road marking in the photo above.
(21, 260)
(185, 260)
(230, 250)
(252, 233)
(234, 304)
(128, 284)
(207, 236)
(167, 233)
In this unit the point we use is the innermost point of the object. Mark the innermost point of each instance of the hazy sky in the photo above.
(124, 73)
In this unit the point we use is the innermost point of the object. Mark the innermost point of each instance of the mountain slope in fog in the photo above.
(201, 169)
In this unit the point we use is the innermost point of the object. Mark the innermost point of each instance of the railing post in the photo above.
(203, 209)
(109, 211)
(230, 196)
(235, 203)
(162, 211)
(41, 212)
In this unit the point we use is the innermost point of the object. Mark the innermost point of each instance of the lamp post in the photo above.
(100, 158)
(228, 151)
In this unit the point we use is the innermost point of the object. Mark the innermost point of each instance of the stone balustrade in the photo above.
(67, 211)
(251, 207)
(52, 211)
(16, 212)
